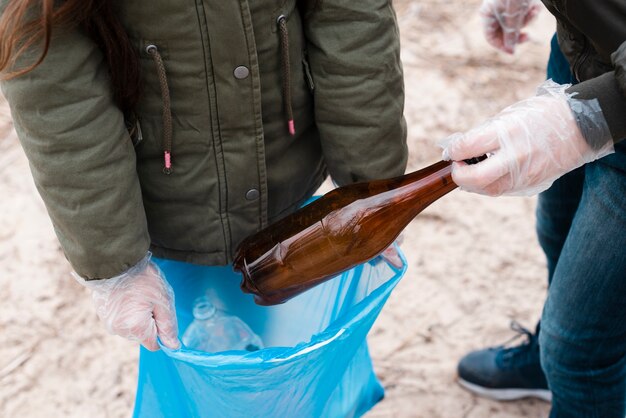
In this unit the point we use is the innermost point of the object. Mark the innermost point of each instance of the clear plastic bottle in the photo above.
(213, 330)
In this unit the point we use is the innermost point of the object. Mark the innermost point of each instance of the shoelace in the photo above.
(520, 331)
(522, 349)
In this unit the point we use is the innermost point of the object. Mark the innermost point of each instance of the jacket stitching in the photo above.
(214, 119)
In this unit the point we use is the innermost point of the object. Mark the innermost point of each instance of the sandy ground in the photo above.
(474, 261)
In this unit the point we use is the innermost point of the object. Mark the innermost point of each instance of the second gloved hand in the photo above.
(503, 21)
(530, 144)
(137, 305)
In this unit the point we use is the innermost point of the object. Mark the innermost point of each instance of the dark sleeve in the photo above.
(610, 91)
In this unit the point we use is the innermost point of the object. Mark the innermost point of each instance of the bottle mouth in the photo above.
(203, 308)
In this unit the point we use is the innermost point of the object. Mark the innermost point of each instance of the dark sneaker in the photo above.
(506, 372)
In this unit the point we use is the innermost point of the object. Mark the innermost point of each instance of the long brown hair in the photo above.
(27, 24)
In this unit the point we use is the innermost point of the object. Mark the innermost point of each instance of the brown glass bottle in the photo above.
(345, 227)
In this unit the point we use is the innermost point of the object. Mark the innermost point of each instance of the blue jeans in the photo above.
(581, 224)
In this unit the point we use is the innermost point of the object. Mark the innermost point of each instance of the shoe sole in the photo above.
(507, 394)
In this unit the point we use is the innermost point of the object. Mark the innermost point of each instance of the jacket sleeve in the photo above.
(610, 90)
(354, 56)
(81, 156)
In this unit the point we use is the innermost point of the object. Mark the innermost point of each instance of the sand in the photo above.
(474, 261)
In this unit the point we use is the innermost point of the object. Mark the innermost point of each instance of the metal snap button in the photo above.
(252, 194)
(241, 72)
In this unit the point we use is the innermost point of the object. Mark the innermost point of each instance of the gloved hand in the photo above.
(137, 305)
(503, 21)
(391, 255)
(530, 144)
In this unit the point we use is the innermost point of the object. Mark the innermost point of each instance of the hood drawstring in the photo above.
(286, 70)
(153, 51)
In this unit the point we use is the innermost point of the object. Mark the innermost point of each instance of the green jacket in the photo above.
(235, 167)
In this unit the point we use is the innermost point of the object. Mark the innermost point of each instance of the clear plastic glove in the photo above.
(391, 255)
(530, 144)
(137, 305)
(503, 21)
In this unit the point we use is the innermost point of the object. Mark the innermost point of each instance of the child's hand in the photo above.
(137, 305)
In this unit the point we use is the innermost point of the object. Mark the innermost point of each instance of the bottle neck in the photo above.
(438, 174)
(424, 186)
(431, 183)
(408, 195)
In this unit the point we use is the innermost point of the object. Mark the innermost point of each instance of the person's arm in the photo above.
(503, 21)
(83, 164)
(81, 156)
(137, 305)
(354, 55)
(530, 144)
(610, 91)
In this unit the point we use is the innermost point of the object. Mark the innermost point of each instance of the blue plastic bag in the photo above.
(316, 363)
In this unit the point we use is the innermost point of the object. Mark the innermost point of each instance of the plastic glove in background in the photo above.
(530, 144)
(503, 21)
(137, 305)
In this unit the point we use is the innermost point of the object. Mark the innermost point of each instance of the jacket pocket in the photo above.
(308, 76)
(134, 130)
